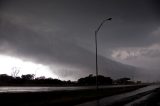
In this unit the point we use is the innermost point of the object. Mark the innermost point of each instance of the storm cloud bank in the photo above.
(60, 34)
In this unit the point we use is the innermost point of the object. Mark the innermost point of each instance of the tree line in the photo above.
(31, 80)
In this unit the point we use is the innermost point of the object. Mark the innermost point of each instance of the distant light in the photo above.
(7, 63)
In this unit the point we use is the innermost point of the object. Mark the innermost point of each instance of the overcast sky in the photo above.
(60, 33)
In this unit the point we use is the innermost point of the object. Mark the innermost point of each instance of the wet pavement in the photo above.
(112, 99)
(144, 98)
(45, 89)
(150, 100)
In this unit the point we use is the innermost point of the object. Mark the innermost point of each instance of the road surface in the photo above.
(45, 89)
(122, 99)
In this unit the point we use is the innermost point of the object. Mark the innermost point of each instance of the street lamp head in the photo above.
(109, 19)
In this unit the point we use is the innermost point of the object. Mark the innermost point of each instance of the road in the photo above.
(152, 99)
(123, 99)
(45, 89)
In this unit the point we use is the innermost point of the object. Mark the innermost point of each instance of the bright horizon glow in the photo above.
(7, 63)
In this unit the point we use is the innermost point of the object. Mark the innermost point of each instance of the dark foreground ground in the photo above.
(61, 98)
(152, 100)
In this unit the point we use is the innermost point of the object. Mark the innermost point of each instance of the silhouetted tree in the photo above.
(91, 80)
(5, 79)
(28, 77)
(15, 72)
(104, 80)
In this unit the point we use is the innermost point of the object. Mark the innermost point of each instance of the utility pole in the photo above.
(96, 45)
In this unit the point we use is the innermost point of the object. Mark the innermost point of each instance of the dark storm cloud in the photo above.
(133, 19)
(62, 32)
(52, 50)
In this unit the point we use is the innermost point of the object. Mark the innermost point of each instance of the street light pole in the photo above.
(96, 32)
